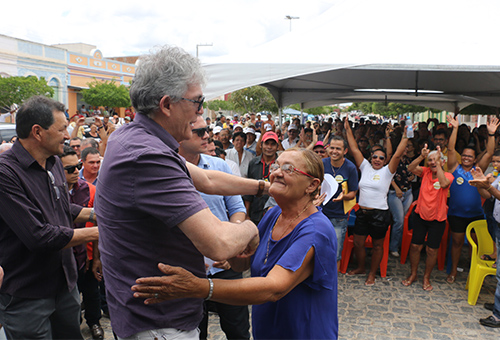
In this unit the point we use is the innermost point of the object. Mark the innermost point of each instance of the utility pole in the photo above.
(197, 45)
(289, 17)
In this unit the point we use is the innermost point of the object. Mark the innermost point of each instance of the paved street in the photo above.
(391, 311)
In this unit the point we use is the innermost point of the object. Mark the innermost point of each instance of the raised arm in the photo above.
(443, 180)
(396, 158)
(485, 160)
(353, 146)
(414, 166)
(452, 156)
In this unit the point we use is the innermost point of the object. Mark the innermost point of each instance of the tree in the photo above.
(106, 93)
(220, 105)
(320, 110)
(15, 90)
(389, 109)
(253, 99)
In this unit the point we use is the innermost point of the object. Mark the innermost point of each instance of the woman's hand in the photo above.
(399, 193)
(177, 283)
(480, 180)
(492, 125)
(452, 121)
(425, 151)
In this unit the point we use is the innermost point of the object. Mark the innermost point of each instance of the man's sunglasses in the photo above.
(200, 132)
(199, 102)
(71, 168)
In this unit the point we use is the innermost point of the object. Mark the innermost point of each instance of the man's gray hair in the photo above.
(164, 71)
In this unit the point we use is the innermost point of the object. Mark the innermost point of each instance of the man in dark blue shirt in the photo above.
(38, 296)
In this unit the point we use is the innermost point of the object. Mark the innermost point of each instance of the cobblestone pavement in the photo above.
(389, 310)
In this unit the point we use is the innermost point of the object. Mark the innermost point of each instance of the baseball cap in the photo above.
(319, 143)
(217, 129)
(249, 130)
(268, 127)
(270, 135)
(238, 125)
(292, 127)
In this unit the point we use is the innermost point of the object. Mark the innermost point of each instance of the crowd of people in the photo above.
(184, 205)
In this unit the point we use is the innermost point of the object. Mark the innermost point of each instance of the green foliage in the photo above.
(106, 93)
(15, 90)
(220, 105)
(391, 109)
(253, 99)
(477, 109)
(320, 110)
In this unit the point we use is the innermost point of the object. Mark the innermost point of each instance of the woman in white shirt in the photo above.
(373, 217)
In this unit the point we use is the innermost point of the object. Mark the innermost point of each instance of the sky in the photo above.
(129, 28)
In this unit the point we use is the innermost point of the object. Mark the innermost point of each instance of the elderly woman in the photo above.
(373, 217)
(294, 275)
(430, 213)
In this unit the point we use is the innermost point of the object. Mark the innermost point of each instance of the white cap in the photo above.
(249, 130)
(292, 127)
(217, 129)
(268, 127)
(238, 125)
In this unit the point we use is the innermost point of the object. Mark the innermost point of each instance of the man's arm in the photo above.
(485, 159)
(219, 183)
(220, 240)
(83, 235)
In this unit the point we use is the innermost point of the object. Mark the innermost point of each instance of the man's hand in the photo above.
(177, 283)
(222, 265)
(97, 269)
(425, 151)
(319, 199)
(251, 247)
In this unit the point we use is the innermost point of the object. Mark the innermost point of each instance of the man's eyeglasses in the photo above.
(320, 151)
(200, 132)
(53, 182)
(71, 168)
(379, 157)
(287, 168)
(199, 102)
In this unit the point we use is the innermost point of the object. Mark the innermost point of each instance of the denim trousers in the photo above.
(398, 207)
(340, 226)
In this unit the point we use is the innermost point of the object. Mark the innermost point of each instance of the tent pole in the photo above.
(301, 113)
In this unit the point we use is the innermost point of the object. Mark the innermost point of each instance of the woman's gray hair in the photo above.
(436, 152)
(165, 71)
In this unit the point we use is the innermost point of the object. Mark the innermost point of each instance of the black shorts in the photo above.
(434, 231)
(459, 224)
(374, 222)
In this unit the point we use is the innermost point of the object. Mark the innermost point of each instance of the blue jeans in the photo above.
(398, 207)
(340, 226)
(496, 307)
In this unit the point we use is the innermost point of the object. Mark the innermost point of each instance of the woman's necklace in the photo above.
(271, 233)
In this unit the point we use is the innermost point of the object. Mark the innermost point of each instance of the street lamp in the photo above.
(289, 17)
(197, 45)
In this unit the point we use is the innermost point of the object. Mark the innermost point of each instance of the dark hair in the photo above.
(496, 153)
(240, 134)
(36, 110)
(338, 138)
(440, 132)
(89, 151)
(218, 144)
(76, 138)
(381, 150)
(219, 151)
(67, 151)
(470, 147)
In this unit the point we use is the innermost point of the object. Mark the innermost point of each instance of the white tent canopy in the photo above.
(441, 54)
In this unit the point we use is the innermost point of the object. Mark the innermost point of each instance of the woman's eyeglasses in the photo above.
(378, 157)
(200, 132)
(287, 168)
(71, 168)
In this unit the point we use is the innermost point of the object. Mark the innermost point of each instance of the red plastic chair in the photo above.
(349, 245)
(408, 233)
